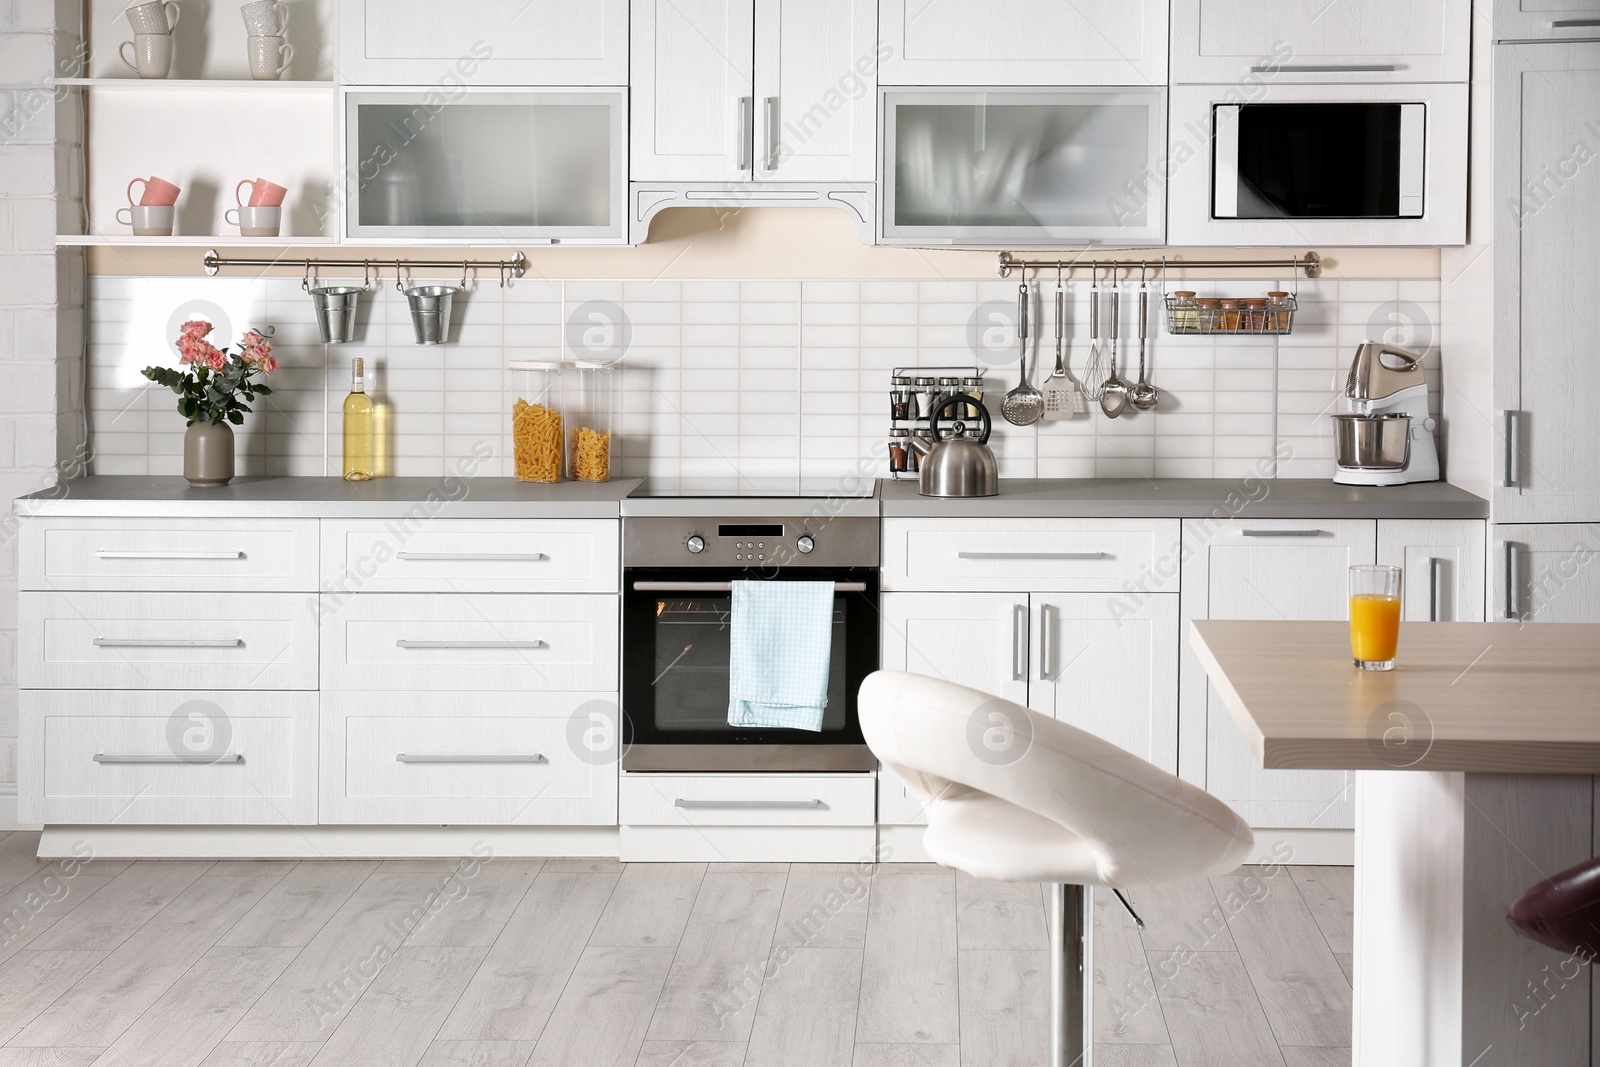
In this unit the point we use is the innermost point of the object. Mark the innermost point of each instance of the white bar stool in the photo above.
(1015, 796)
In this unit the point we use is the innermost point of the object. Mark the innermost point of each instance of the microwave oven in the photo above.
(1319, 160)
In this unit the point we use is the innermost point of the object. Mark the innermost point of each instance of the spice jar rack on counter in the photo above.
(913, 392)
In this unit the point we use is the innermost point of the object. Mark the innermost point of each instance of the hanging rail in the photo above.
(516, 266)
(1310, 264)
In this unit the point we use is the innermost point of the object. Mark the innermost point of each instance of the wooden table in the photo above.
(1477, 758)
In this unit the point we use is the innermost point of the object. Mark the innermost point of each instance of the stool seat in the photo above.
(1562, 911)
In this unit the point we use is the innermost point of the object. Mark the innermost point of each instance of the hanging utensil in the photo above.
(1114, 395)
(1024, 404)
(1143, 396)
(1059, 398)
(1092, 381)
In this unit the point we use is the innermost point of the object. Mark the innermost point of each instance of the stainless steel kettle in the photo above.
(959, 464)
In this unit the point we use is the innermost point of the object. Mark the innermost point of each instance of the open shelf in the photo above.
(195, 84)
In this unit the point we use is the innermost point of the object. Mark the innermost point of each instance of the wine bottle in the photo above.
(357, 428)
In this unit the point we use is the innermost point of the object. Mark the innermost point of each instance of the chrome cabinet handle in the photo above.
(1513, 599)
(474, 557)
(168, 642)
(1565, 24)
(406, 643)
(1435, 589)
(133, 757)
(1323, 68)
(108, 554)
(768, 804)
(468, 757)
(1512, 476)
(1281, 533)
(772, 132)
(725, 587)
(744, 152)
(1047, 641)
(1019, 642)
(1030, 555)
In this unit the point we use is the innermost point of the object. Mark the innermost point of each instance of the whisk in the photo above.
(1094, 379)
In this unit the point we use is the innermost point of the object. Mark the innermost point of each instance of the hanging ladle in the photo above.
(1143, 396)
(1114, 394)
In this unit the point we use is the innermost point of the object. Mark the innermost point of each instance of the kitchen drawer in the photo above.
(1026, 555)
(265, 555)
(470, 758)
(470, 641)
(896, 805)
(747, 800)
(208, 757)
(167, 641)
(471, 556)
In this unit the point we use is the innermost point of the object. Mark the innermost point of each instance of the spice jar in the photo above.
(901, 402)
(947, 386)
(973, 387)
(921, 442)
(537, 441)
(1229, 314)
(899, 447)
(927, 390)
(589, 403)
(1208, 314)
(1278, 310)
(1185, 310)
(1254, 315)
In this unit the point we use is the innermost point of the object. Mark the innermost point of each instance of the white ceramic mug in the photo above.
(152, 16)
(269, 57)
(152, 54)
(149, 220)
(265, 18)
(255, 221)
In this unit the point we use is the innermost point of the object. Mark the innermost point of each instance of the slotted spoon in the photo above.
(1024, 404)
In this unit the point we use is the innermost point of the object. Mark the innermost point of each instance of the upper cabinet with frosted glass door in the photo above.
(1240, 42)
(483, 42)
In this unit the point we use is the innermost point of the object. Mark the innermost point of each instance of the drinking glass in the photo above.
(1374, 616)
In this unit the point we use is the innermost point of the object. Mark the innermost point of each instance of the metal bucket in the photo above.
(336, 312)
(430, 312)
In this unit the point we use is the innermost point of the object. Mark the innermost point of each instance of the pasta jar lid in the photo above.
(535, 364)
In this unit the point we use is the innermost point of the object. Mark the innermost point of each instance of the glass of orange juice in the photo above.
(1374, 616)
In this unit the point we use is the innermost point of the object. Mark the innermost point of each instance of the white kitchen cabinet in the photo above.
(1546, 573)
(1023, 42)
(1245, 41)
(763, 90)
(1546, 333)
(471, 556)
(1535, 20)
(1443, 563)
(204, 555)
(486, 42)
(979, 640)
(746, 799)
(1023, 555)
(1281, 569)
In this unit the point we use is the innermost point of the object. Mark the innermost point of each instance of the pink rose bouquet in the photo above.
(211, 383)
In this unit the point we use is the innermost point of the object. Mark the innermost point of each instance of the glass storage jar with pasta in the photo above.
(589, 402)
(537, 431)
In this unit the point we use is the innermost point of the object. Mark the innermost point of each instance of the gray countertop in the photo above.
(333, 498)
(1190, 498)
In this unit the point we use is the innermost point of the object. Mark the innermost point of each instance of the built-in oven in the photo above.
(678, 576)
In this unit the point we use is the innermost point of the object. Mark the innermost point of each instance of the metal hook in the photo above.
(397, 286)
(1142, 268)
(463, 284)
(366, 275)
(501, 267)
(305, 282)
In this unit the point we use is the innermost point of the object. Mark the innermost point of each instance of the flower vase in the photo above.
(208, 454)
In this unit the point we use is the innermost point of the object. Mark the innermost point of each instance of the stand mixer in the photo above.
(1386, 438)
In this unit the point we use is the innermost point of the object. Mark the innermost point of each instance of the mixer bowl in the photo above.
(1372, 442)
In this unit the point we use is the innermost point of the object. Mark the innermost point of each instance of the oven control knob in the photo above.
(696, 544)
(805, 544)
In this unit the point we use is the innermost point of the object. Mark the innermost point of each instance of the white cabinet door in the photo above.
(1524, 20)
(470, 556)
(1028, 555)
(1282, 569)
(1023, 42)
(1443, 563)
(1111, 669)
(1546, 573)
(1229, 41)
(1546, 334)
(978, 640)
(693, 94)
(486, 42)
(816, 83)
(206, 555)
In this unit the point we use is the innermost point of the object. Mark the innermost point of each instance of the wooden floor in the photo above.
(565, 962)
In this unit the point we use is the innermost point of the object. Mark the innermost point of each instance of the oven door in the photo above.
(676, 644)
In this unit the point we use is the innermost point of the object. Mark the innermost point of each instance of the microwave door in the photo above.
(1225, 166)
(1413, 153)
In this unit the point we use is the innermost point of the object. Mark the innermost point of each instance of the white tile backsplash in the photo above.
(782, 379)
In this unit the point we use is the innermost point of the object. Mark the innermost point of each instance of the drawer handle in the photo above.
(1323, 68)
(405, 643)
(1282, 533)
(168, 642)
(1565, 24)
(1030, 555)
(777, 805)
(132, 757)
(472, 557)
(468, 757)
(1435, 589)
(105, 554)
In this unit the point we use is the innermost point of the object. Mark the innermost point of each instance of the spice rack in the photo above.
(913, 391)
(1188, 314)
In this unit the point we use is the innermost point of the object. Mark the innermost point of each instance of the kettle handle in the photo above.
(962, 398)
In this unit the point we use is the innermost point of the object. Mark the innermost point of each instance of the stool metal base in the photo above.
(1071, 975)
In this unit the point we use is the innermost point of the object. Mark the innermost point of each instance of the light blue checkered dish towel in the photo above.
(782, 637)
